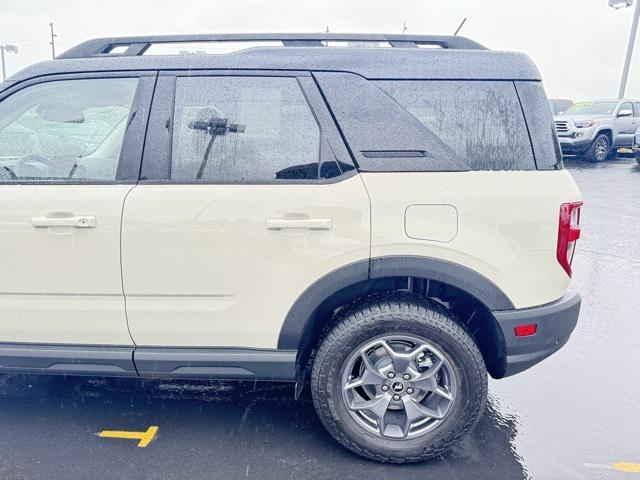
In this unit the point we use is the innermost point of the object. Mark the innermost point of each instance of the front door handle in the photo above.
(80, 221)
(317, 223)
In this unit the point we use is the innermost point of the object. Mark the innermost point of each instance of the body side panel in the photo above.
(202, 268)
(507, 225)
(62, 284)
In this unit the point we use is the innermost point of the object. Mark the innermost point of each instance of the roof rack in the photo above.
(134, 46)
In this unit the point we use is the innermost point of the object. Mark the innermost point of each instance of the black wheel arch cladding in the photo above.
(356, 280)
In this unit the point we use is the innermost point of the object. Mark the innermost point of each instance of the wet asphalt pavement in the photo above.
(574, 416)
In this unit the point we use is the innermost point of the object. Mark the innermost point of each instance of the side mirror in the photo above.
(625, 113)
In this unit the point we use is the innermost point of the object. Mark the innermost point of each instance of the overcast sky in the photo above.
(578, 45)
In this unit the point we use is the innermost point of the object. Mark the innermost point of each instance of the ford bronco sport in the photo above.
(384, 224)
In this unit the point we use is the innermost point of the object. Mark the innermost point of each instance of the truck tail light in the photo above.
(568, 233)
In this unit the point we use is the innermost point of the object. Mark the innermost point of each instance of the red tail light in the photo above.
(568, 233)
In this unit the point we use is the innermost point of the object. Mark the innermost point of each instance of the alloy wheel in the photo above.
(601, 149)
(398, 386)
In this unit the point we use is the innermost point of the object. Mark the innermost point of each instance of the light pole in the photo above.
(8, 49)
(632, 40)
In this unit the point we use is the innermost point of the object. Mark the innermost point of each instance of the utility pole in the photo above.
(7, 49)
(627, 59)
(4, 67)
(53, 41)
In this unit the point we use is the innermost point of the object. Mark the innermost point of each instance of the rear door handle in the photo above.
(317, 223)
(80, 221)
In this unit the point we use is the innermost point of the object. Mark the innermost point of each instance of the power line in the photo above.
(24, 40)
(9, 27)
(118, 29)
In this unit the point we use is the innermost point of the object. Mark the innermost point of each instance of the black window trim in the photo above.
(156, 160)
(128, 169)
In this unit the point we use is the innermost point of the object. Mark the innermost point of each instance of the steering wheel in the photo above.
(29, 163)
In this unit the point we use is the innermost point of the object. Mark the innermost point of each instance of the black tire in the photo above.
(600, 149)
(395, 313)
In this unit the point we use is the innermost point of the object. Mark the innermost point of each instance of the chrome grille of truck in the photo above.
(562, 126)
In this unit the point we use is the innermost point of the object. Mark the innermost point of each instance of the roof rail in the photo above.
(134, 46)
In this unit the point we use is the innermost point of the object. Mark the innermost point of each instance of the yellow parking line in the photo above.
(144, 437)
(626, 467)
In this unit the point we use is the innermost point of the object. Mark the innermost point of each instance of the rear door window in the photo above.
(243, 129)
(481, 121)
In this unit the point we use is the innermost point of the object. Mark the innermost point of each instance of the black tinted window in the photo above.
(243, 129)
(481, 121)
(540, 123)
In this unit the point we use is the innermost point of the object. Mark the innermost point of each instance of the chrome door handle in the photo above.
(317, 223)
(81, 221)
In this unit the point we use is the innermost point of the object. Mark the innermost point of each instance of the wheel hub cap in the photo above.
(397, 387)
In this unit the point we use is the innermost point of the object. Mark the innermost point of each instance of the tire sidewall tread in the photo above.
(397, 313)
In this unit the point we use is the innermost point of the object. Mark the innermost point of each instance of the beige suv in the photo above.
(384, 224)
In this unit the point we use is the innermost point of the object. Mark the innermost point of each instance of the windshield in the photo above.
(592, 108)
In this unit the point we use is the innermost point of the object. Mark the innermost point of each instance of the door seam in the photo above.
(124, 296)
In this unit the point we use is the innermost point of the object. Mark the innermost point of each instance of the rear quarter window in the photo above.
(537, 111)
(481, 121)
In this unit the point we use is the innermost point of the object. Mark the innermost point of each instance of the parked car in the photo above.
(341, 218)
(636, 146)
(595, 129)
(559, 105)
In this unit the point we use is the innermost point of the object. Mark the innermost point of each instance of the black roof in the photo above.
(458, 57)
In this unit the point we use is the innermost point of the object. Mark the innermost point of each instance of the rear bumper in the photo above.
(555, 322)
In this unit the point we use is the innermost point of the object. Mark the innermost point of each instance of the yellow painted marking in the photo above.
(627, 467)
(144, 437)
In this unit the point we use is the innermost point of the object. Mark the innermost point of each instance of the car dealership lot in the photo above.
(573, 416)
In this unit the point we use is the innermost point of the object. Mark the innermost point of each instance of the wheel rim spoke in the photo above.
(401, 361)
(377, 406)
(370, 375)
(414, 410)
(427, 381)
(358, 382)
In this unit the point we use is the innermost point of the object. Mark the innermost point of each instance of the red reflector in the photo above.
(525, 330)
(574, 234)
